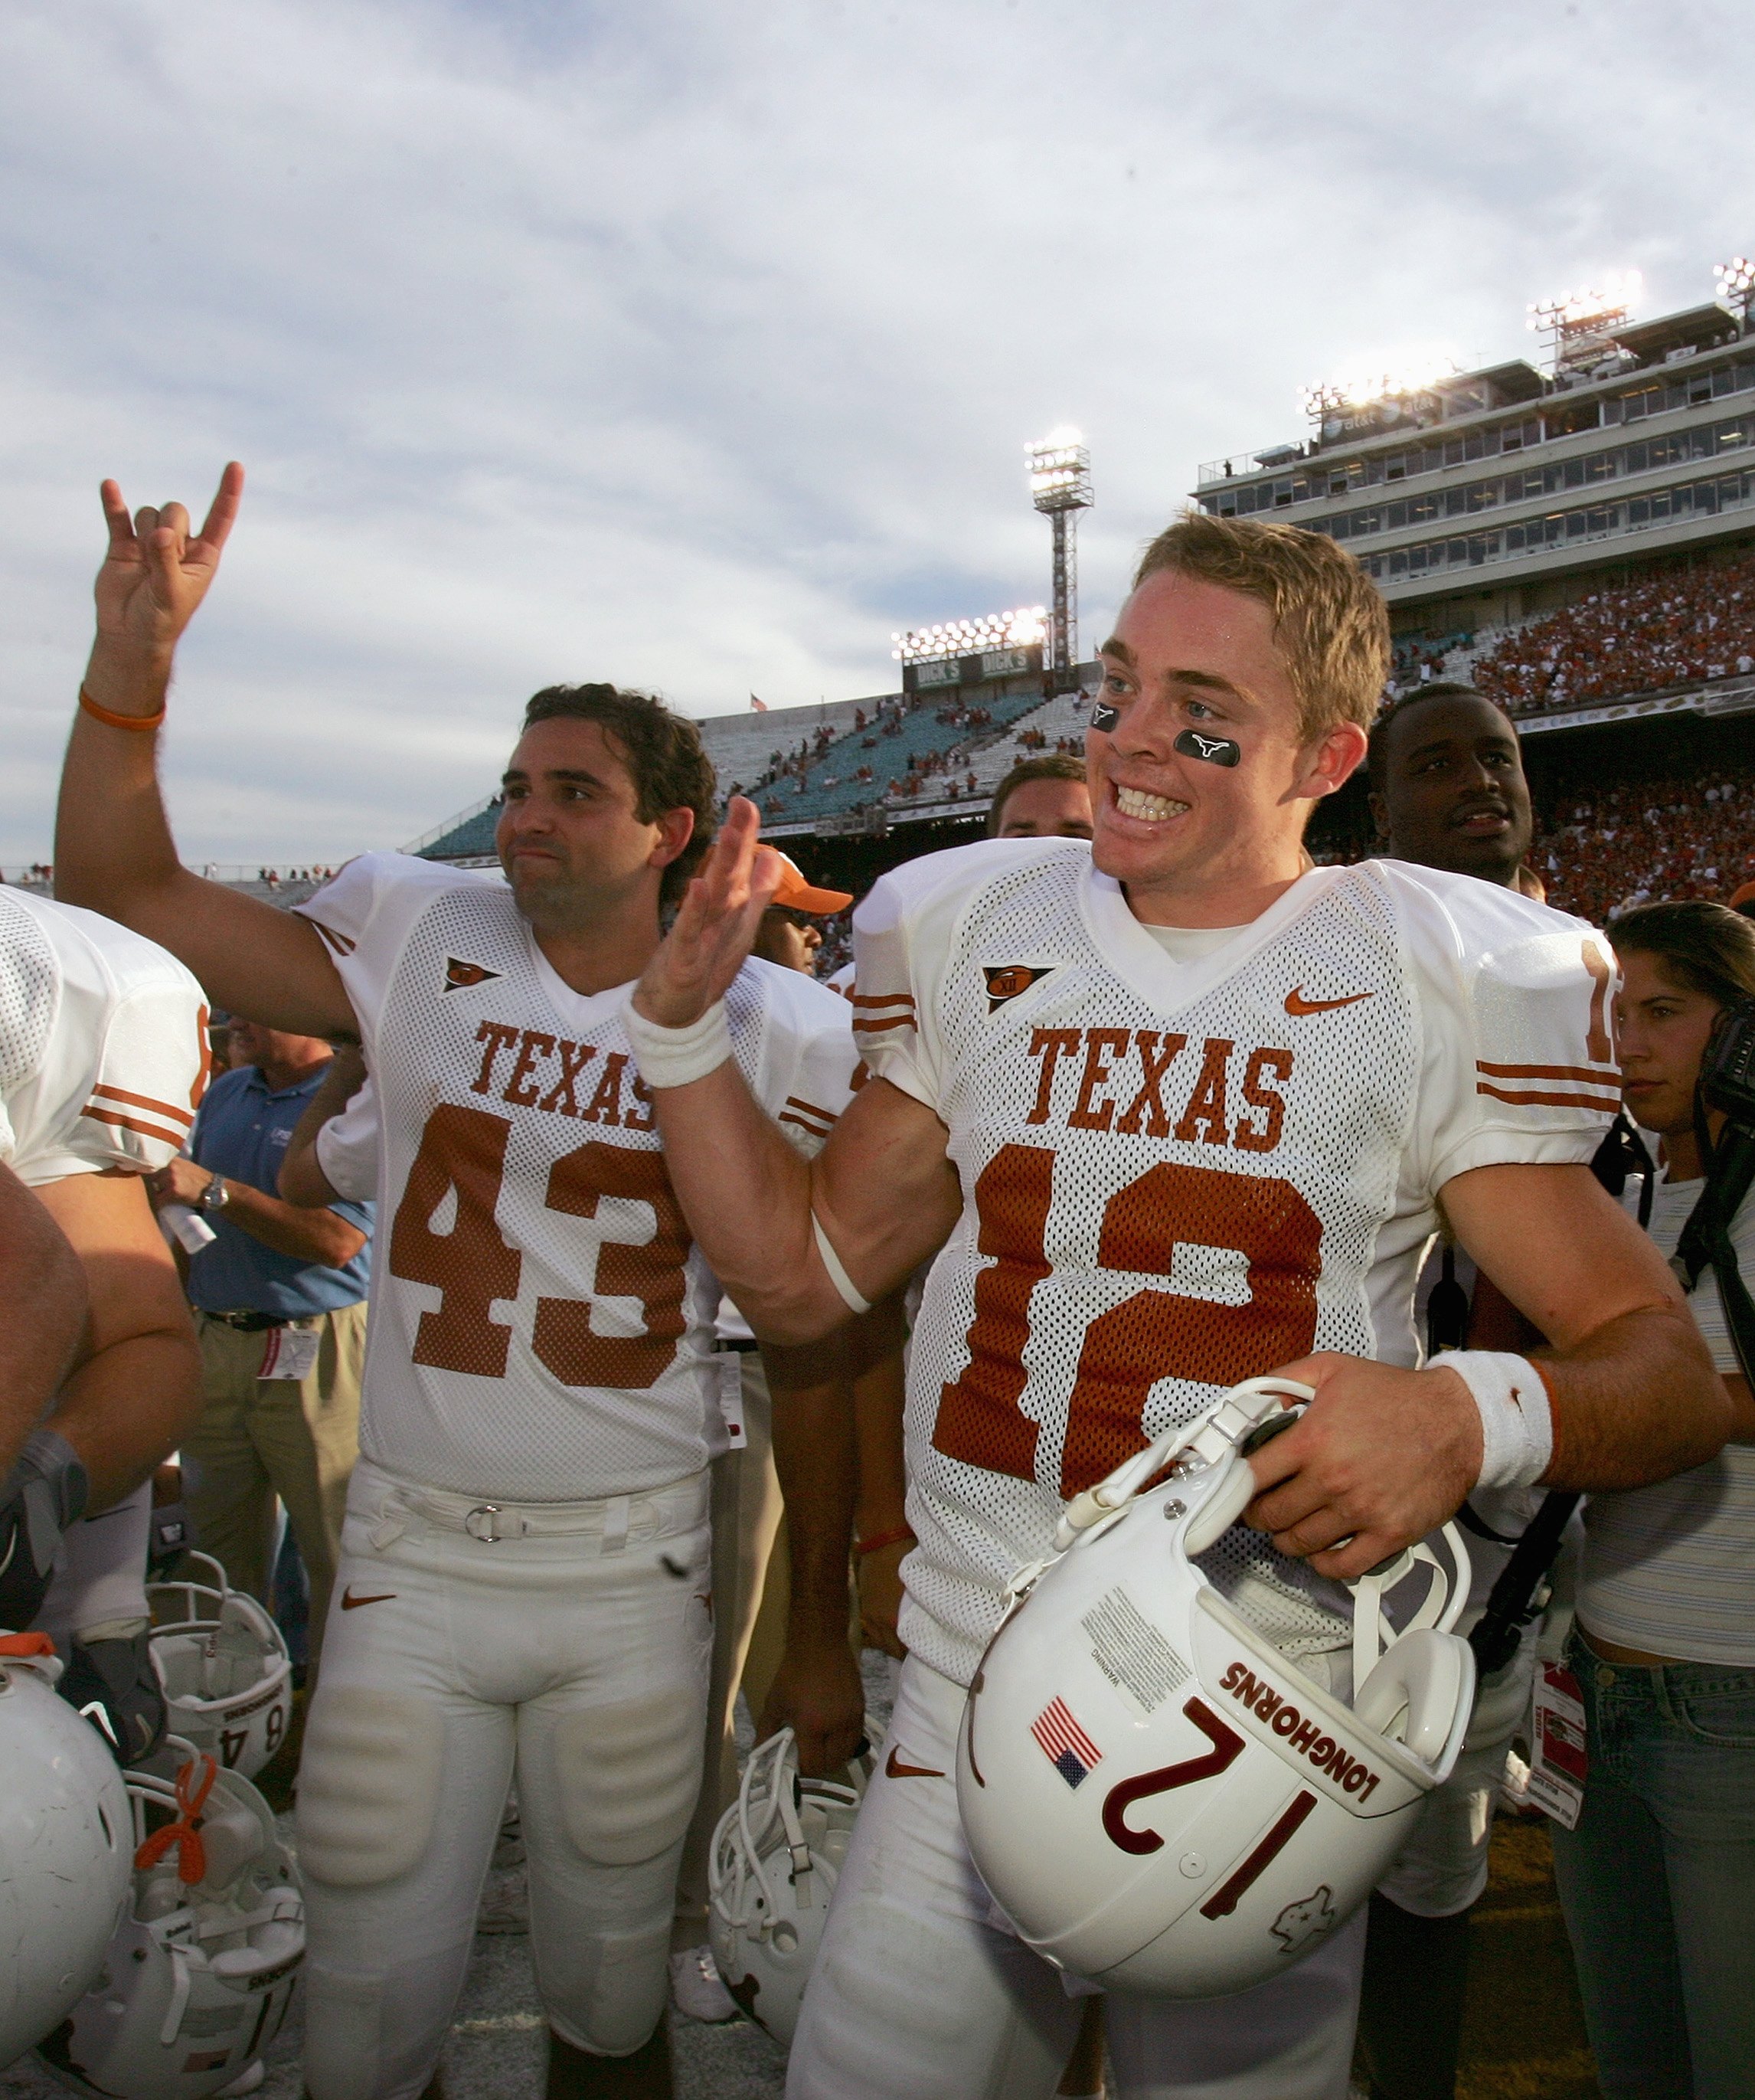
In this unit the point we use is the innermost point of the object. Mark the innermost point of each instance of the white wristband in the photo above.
(1517, 1426)
(838, 1275)
(676, 1057)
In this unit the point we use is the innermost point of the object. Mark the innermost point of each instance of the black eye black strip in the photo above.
(1215, 750)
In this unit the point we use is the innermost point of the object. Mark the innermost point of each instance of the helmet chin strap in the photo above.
(1445, 1599)
(1208, 1440)
(762, 1779)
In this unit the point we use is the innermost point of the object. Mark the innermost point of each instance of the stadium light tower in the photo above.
(1580, 326)
(1736, 285)
(1060, 485)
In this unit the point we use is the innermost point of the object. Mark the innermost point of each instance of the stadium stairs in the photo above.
(785, 810)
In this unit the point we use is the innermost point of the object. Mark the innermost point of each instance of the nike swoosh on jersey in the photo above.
(894, 1768)
(1297, 1005)
(351, 1603)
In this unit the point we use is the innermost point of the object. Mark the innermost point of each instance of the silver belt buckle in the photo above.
(482, 1525)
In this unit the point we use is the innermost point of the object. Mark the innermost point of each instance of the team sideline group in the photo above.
(1121, 1110)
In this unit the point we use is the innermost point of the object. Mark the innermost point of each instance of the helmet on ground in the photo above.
(225, 1669)
(64, 1845)
(777, 1854)
(1157, 1799)
(198, 1976)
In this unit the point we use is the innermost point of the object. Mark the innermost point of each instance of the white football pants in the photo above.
(1442, 1869)
(571, 1640)
(917, 1995)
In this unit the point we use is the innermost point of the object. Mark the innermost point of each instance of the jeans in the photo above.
(1656, 1881)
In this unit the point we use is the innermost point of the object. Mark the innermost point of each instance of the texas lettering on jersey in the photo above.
(538, 1057)
(1177, 1174)
(542, 1324)
(1123, 1075)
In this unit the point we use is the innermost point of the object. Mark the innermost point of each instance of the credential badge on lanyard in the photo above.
(1559, 1758)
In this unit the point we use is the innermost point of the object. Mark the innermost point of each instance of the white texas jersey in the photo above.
(541, 1320)
(1179, 1174)
(103, 1044)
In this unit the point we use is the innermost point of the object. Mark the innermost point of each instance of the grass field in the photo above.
(1523, 2032)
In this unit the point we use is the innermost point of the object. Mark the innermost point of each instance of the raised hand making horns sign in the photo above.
(154, 576)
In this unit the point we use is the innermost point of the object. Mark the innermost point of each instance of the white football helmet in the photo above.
(1157, 1798)
(777, 1854)
(226, 1676)
(64, 1845)
(198, 1976)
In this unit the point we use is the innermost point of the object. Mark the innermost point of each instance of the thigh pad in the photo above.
(627, 1774)
(368, 1785)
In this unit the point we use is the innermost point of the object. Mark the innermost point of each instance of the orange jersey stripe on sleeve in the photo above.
(339, 942)
(1606, 1103)
(173, 1138)
(1593, 1075)
(165, 1108)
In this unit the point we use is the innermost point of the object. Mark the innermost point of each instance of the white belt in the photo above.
(489, 1523)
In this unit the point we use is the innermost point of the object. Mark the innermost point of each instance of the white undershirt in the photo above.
(1191, 944)
(1670, 1569)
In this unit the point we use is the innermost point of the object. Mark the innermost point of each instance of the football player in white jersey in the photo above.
(102, 1062)
(1176, 1112)
(524, 1575)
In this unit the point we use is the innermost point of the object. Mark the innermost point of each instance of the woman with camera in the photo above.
(1656, 1880)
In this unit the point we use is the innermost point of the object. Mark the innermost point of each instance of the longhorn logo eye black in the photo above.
(1215, 750)
(1104, 717)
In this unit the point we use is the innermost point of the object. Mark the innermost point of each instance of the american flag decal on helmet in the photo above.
(1065, 1744)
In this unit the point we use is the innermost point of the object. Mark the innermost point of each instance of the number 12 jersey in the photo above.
(1180, 1174)
(542, 1324)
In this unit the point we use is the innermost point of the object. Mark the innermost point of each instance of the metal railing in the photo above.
(1265, 459)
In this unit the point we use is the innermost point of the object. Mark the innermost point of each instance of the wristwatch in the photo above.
(214, 1197)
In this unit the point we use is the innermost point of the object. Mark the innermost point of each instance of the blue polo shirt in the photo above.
(240, 1130)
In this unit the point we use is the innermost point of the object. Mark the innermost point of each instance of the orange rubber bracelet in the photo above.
(137, 722)
(879, 1540)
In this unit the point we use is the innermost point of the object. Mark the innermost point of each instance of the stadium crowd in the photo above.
(1605, 853)
(1678, 625)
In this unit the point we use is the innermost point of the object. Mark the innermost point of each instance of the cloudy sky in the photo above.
(694, 346)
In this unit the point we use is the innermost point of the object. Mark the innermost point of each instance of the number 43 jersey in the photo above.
(542, 1325)
(1180, 1174)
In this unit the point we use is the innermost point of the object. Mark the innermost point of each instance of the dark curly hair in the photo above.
(662, 750)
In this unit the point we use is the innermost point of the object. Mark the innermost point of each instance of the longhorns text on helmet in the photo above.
(1157, 1797)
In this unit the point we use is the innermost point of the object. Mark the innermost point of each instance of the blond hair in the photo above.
(1329, 623)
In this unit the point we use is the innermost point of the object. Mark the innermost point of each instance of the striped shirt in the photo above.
(1670, 1569)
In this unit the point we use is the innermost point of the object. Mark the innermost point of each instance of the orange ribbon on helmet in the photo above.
(184, 1833)
(25, 1644)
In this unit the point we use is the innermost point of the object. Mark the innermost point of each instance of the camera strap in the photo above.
(1705, 1241)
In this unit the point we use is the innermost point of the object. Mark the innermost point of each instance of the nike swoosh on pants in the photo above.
(894, 1768)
